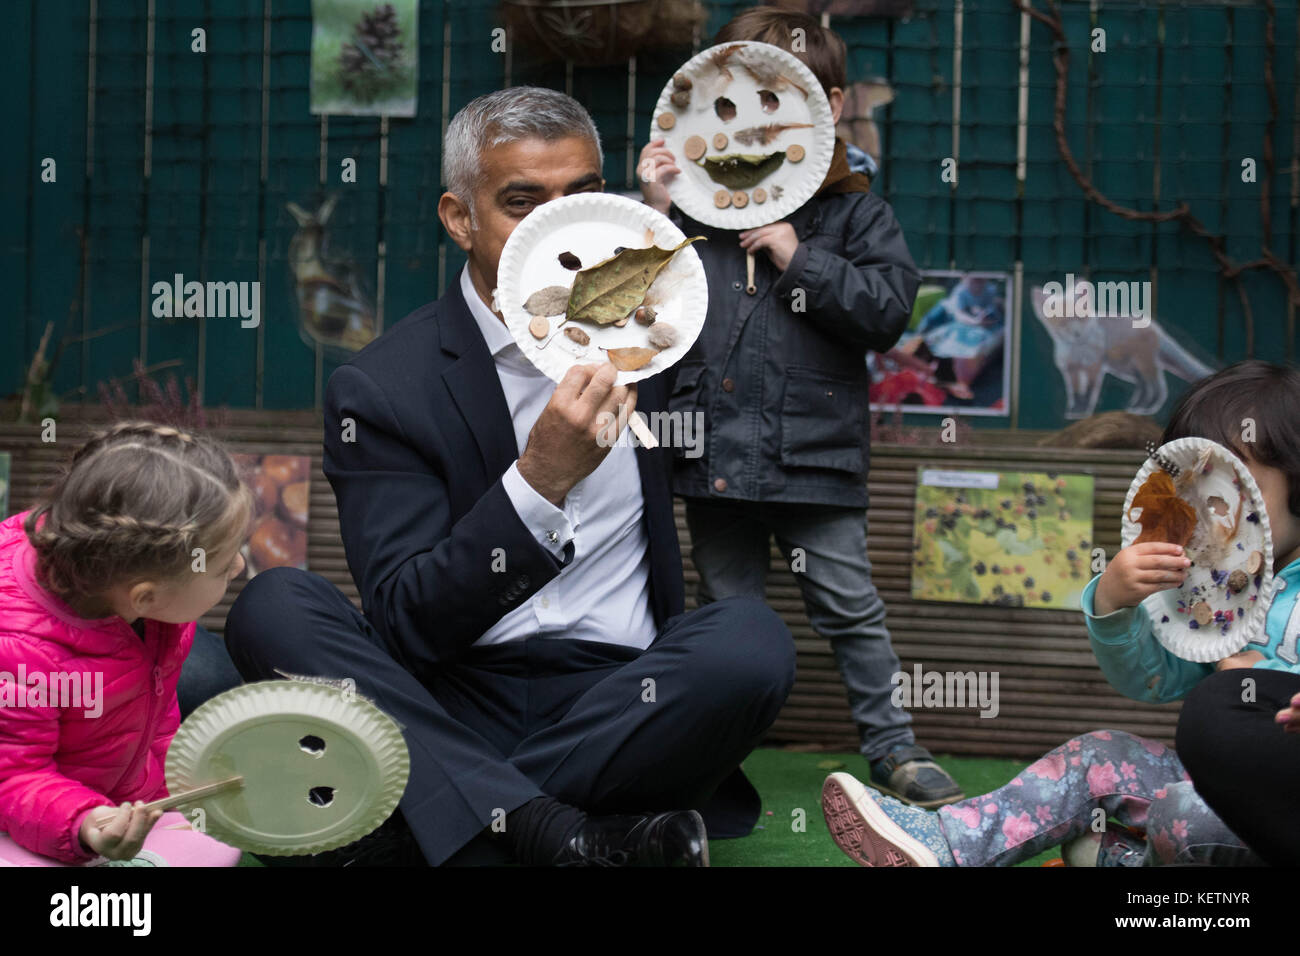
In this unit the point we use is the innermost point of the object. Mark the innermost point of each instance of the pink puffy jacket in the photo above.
(62, 755)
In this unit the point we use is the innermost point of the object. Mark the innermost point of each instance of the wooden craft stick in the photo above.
(189, 796)
(749, 272)
(641, 431)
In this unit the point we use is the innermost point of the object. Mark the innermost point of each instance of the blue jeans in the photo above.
(206, 672)
(826, 546)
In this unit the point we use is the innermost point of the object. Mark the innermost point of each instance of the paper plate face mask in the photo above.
(596, 277)
(1198, 494)
(751, 130)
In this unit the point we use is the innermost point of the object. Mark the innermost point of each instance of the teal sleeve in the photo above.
(1273, 664)
(1134, 662)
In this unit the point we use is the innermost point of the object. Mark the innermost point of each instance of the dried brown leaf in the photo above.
(1165, 516)
(631, 359)
(549, 301)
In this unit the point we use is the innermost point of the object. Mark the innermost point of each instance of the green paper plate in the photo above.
(322, 767)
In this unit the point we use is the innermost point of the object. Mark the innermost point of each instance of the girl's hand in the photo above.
(778, 239)
(656, 166)
(1240, 659)
(118, 833)
(1289, 718)
(1137, 572)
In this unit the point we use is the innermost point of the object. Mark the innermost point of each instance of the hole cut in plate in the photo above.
(320, 796)
(313, 745)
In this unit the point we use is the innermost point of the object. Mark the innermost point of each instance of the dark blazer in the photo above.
(417, 437)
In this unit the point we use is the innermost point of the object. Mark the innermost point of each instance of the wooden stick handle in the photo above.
(189, 796)
(749, 273)
(643, 433)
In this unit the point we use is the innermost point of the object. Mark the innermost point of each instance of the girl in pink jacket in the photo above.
(100, 586)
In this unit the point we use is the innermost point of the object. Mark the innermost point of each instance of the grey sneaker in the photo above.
(909, 773)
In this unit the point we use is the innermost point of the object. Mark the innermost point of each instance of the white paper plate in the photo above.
(287, 739)
(693, 190)
(1238, 617)
(592, 226)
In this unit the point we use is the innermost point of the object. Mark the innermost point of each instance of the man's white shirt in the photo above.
(604, 592)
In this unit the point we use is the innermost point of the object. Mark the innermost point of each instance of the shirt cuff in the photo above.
(787, 280)
(547, 523)
(1112, 628)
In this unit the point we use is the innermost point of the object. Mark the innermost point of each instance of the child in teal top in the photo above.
(1138, 782)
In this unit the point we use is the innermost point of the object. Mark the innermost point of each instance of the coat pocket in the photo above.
(823, 421)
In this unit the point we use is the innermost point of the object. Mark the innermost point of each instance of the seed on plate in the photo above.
(577, 335)
(694, 147)
(1238, 580)
(619, 323)
(794, 152)
(681, 98)
(722, 199)
(645, 315)
(539, 326)
(570, 261)
(681, 81)
(720, 141)
(666, 120)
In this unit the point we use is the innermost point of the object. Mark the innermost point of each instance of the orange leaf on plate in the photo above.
(1165, 516)
(629, 360)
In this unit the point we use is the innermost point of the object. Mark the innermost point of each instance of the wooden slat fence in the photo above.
(1050, 686)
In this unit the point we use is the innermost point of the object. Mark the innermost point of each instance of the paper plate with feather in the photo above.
(288, 767)
(752, 133)
(1198, 494)
(595, 277)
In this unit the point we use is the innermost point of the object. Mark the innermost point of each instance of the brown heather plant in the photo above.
(163, 403)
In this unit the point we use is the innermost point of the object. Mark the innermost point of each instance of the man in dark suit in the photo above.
(521, 578)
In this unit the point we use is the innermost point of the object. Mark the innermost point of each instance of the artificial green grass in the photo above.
(790, 781)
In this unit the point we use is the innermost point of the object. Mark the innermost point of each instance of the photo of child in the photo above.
(954, 355)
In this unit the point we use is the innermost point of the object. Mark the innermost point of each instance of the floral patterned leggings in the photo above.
(1139, 782)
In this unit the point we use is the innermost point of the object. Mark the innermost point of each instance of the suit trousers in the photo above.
(1243, 764)
(602, 727)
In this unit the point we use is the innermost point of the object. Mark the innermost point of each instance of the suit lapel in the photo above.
(474, 385)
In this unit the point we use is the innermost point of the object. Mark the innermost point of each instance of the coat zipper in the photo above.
(146, 740)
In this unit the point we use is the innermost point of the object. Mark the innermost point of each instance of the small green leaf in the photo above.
(742, 170)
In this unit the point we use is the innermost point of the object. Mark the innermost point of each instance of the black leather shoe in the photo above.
(674, 838)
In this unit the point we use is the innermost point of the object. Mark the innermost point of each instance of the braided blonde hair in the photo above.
(134, 503)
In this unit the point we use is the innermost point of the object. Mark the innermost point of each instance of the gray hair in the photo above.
(506, 116)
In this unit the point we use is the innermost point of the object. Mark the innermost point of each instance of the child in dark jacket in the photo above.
(778, 380)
